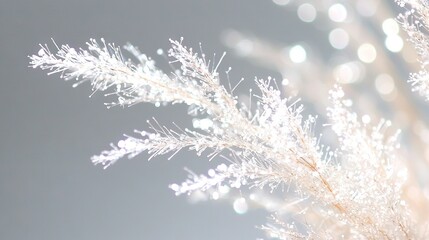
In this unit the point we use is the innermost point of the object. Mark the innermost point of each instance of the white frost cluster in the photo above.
(355, 190)
(415, 22)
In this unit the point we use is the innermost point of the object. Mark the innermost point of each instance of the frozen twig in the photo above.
(273, 145)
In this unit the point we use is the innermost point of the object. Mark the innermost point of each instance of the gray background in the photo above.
(48, 187)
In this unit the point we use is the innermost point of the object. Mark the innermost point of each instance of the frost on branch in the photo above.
(271, 144)
(415, 22)
(370, 177)
(106, 69)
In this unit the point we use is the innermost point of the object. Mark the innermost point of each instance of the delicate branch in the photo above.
(272, 145)
(415, 22)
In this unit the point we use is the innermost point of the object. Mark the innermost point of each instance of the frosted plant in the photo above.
(415, 22)
(355, 191)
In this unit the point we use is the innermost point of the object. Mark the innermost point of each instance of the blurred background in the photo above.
(49, 189)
